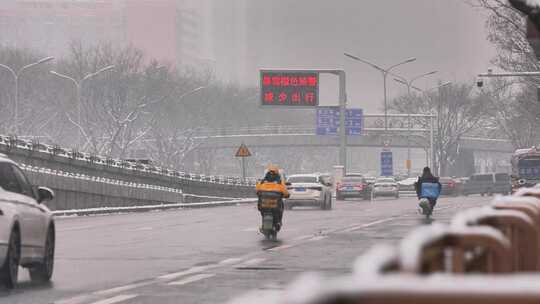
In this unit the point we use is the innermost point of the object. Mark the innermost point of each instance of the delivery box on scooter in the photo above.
(430, 190)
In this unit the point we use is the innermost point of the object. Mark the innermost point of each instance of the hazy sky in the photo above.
(444, 35)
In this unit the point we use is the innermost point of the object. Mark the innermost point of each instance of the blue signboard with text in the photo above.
(354, 121)
(387, 163)
(328, 121)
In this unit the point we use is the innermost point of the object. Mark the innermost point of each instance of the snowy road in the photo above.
(212, 255)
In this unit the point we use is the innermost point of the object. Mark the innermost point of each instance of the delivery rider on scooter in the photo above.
(273, 181)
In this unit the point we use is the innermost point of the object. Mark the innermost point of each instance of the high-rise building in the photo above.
(168, 30)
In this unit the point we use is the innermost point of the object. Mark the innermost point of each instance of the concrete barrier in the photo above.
(75, 191)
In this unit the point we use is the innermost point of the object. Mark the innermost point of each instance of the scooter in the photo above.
(269, 205)
(425, 207)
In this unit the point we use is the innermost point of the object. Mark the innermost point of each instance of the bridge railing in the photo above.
(287, 130)
(310, 130)
(463, 262)
(9, 143)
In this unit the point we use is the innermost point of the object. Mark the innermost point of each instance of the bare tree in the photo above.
(458, 113)
(506, 30)
(514, 102)
(513, 113)
(142, 107)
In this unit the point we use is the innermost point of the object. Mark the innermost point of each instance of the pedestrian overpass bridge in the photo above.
(301, 136)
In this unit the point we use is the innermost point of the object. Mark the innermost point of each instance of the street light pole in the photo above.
(385, 73)
(430, 161)
(78, 86)
(409, 84)
(432, 152)
(16, 77)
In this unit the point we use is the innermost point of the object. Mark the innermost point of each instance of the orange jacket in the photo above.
(273, 187)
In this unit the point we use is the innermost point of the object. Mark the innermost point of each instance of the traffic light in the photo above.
(533, 22)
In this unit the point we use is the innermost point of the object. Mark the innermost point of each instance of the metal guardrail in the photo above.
(12, 142)
(98, 179)
(480, 249)
(516, 226)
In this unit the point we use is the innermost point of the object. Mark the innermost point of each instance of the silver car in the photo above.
(385, 186)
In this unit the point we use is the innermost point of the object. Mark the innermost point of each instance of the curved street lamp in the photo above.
(78, 86)
(385, 73)
(16, 76)
(409, 84)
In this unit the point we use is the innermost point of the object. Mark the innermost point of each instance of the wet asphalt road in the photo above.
(213, 255)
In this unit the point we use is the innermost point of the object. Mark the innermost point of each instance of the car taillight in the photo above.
(451, 185)
(338, 186)
(359, 187)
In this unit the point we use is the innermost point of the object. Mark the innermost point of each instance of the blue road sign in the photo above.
(328, 121)
(387, 163)
(354, 121)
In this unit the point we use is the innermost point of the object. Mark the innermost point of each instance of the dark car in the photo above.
(353, 186)
(489, 184)
(449, 186)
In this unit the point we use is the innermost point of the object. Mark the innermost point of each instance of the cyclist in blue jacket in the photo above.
(428, 187)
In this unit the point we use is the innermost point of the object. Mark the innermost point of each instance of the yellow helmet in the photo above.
(273, 169)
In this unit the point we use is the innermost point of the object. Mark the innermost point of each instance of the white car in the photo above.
(309, 190)
(385, 186)
(27, 234)
(407, 184)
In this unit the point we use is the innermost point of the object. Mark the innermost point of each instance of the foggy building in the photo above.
(169, 30)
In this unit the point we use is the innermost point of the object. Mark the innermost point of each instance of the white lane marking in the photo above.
(278, 248)
(142, 229)
(192, 279)
(357, 227)
(251, 262)
(251, 229)
(230, 261)
(116, 299)
(121, 288)
(75, 228)
(303, 237)
(318, 238)
(192, 270)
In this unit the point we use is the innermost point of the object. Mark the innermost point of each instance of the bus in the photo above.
(525, 168)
